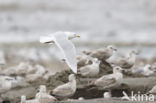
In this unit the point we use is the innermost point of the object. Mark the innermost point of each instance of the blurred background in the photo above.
(127, 24)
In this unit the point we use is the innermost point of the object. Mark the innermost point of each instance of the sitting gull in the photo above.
(23, 100)
(66, 90)
(146, 70)
(43, 96)
(7, 82)
(110, 80)
(40, 71)
(90, 70)
(103, 53)
(62, 40)
(83, 60)
(125, 63)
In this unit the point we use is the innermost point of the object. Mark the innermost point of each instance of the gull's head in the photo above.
(23, 98)
(117, 69)
(71, 77)
(148, 67)
(95, 60)
(133, 52)
(110, 47)
(42, 88)
(72, 35)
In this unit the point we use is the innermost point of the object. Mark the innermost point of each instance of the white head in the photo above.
(23, 98)
(110, 47)
(71, 77)
(117, 69)
(148, 67)
(107, 95)
(42, 88)
(95, 61)
(72, 35)
(133, 53)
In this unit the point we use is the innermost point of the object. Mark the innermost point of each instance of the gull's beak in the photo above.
(78, 36)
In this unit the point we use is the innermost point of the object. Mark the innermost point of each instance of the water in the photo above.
(98, 21)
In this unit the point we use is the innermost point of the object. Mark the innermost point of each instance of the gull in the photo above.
(23, 100)
(62, 40)
(65, 90)
(110, 80)
(83, 60)
(103, 53)
(48, 75)
(107, 95)
(146, 70)
(24, 68)
(90, 70)
(19, 70)
(43, 96)
(125, 63)
(40, 71)
(6, 83)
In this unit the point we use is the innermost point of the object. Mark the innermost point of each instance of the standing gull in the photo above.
(66, 90)
(90, 70)
(110, 80)
(125, 63)
(146, 70)
(23, 100)
(43, 96)
(62, 40)
(103, 53)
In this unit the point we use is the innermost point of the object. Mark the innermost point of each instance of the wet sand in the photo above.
(142, 84)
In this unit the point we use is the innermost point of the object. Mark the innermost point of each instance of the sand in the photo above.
(142, 84)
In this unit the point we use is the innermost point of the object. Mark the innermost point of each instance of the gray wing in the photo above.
(63, 90)
(68, 50)
(105, 81)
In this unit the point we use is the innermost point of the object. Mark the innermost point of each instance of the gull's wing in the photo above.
(68, 50)
(105, 81)
(46, 39)
(63, 90)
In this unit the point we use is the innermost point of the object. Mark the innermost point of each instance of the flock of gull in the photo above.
(86, 65)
